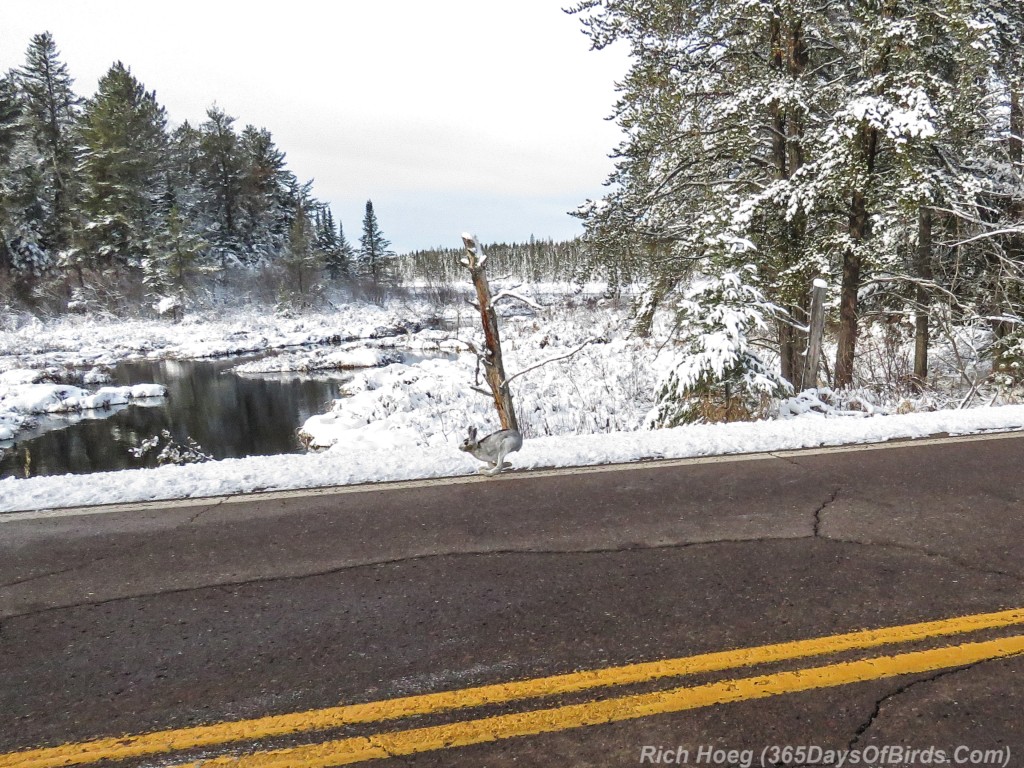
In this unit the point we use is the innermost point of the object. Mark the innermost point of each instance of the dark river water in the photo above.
(228, 415)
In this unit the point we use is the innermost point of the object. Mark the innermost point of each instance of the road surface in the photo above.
(711, 612)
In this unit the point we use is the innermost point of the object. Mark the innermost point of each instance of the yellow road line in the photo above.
(461, 734)
(123, 747)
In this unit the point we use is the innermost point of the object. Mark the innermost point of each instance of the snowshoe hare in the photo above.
(493, 448)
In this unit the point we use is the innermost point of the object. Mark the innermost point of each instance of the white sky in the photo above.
(450, 115)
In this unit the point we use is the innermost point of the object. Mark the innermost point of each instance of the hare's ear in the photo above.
(472, 433)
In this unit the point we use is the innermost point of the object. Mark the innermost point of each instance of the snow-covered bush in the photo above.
(1008, 359)
(172, 451)
(719, 376)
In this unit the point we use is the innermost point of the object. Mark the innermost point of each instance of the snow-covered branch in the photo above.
(566, 356)
(513, 294)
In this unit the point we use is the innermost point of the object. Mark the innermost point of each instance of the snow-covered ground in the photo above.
(402, 461)
(405, 420)
(29, 342)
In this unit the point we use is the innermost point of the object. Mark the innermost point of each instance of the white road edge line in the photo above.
(526, 474)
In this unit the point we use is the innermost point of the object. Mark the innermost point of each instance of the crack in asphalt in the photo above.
(901, 689)
(633, 547)
(227, 585)
(787, 459)
(58, 572)
(817, 513)
(204, 510)
(959, 562)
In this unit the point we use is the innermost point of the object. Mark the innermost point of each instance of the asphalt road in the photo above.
(169, 617)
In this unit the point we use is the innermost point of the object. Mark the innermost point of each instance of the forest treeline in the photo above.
(103, 202)
(874, 144)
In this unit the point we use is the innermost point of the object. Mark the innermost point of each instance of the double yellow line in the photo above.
(350, 750)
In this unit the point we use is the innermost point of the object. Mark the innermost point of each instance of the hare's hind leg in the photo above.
(498, 464)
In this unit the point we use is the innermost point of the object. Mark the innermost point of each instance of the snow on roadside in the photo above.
(403, 422)
(402, 460)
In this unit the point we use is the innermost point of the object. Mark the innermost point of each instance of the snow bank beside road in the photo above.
(402, 460)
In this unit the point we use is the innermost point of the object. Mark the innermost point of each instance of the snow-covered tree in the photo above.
(121, 172)
(265, 197)
(373, 249)
(175, 259)
(843, 139)
(719, 375)
(10, 126)
(222, 167)
(336, 259)
(301, 261)
(50, 112)
(346, 254)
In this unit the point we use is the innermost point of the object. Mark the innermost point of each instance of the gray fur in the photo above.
(493, 448)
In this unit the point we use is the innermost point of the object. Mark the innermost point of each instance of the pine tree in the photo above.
(50, 112)
(185, 177)
(10, 126)
(825, 135)
(720, 376)
(174, 261)
(264, 200)
(346, 253)
(122, 171)
(334, 258)
(222, 168)
(711, 151)
(301, 259)
(373, 249)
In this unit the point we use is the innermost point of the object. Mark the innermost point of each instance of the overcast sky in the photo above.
(450, 115)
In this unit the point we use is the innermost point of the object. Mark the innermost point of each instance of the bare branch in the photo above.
(595, 340)
(511, 294)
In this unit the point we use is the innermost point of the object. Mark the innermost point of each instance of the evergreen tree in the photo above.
(222, 168)
(822, 134)
(301, 259)
(174, 261)
(335, 259)
(122, 171)
(10, 118)
(185, 179)
(264, 198)
(719, 376)
(373, 249)
(50, 112)
(346, 253)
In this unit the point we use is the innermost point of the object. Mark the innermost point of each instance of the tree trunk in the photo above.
(1016, 129)
(923, 298)
(789, 354)
(789, 57)
(494, 368)
(850, 286)
(809, 379)
(848, 290)
(1015, 243)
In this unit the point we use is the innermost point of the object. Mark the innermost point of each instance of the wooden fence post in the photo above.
(494, 369)
(817, 328)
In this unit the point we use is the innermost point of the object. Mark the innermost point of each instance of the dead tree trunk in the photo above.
(494, 369)
(923, 298)
(817, 329)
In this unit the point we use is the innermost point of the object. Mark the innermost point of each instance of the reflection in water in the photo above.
(228, 415)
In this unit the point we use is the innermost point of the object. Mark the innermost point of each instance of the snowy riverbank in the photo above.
(405, 420)
(344, 466)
